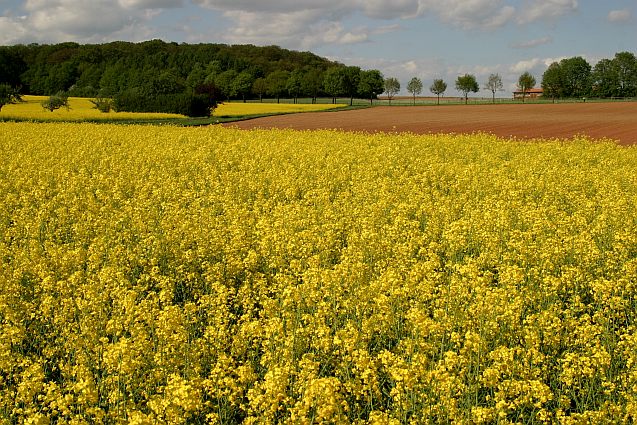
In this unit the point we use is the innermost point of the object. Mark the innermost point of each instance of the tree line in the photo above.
(569, 78)
(575, 77)
(159, 75)
(191, 78)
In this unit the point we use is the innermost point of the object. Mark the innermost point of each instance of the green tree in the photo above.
(312, 82)
(166, 82)
(371, 84)
(8, 95)
(56, 101)
(277, 83)
(552, 84)
(438, 88)
(414, 87)
(624, 66)
(334, 82)
(467, 83)
(103, 104)
(294, 84)
(576, 77)
(260, 87)
(196, 77)
(212, 71)
(225, 83)
(494, 84)
(605, 79)
(242, 84)
(392, 87)
(525, 83)
(351, 79)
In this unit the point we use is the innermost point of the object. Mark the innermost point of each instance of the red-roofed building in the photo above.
(530, 93)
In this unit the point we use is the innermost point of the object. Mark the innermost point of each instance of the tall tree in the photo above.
(392, 87)
(438, 88)
(624, 66)
(467, 83)
(494, 84)
(576, 77)
(242, 84)
(334, 82)
(351, 79)
(371, 84)
(414, 87)
(552, 81)
(525, 83)
(312, 83)
(605, 79)
(260, 87)
(294, 84)
(277, 82)
(225, 83)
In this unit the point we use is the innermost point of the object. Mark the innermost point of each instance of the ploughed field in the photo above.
(614, 120)
(167, 275)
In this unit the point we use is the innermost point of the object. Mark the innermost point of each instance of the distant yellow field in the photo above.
(236, 109)
(81, 109)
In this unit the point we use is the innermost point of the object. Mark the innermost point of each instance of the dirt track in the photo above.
(616, 121)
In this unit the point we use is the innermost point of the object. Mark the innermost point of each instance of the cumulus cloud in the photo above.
(81, 20)
(538, 10)
(474, 14)
(532, 43)
(298, 23)
(291, 23)
(298, 29)
(12, 30)
(533, 65)
(620, 16)
(151, 4)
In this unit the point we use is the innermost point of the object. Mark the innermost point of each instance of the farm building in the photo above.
(530, 93)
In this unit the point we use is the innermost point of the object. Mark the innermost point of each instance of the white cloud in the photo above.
(12, 30)
(533, 65)
(538, 10)
(273, 6)
(297, 23)
(620, 16)
(470, 14)
(82, 20)
(532, 43)
(151, 4)
(297, 29)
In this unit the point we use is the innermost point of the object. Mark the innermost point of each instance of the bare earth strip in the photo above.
(617, 121)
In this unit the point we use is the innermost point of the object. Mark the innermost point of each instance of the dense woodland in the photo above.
(160, 72)
(575, 77)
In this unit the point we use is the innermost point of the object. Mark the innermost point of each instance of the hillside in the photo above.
(154, 66)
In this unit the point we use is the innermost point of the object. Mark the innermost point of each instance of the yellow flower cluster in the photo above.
(80, 109)
(162, 275)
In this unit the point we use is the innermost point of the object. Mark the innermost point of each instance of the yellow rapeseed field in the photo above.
(237, 109)
(81, 109)
(162, 275)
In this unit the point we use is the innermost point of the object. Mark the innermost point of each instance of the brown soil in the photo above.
(617, 121)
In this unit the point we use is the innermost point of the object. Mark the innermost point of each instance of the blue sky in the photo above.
(403, 38)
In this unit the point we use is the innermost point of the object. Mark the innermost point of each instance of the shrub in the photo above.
(56, 101)
(103, 104)
(192, 105)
